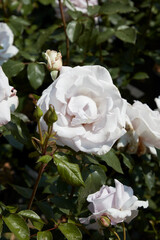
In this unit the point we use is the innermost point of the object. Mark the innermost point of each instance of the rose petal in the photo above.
(4, 113)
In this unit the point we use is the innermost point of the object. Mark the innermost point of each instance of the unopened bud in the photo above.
(105, 221)
(37, 113)
(54, 60)
(50, 116)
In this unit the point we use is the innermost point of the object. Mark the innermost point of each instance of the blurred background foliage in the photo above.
(124, 37)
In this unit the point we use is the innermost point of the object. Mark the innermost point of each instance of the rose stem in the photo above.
(64, 25)
(124, 231)
(116, 234)
(45, 230)
(40, 132)
(42, 167)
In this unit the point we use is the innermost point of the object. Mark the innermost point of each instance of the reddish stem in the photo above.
(41, 170)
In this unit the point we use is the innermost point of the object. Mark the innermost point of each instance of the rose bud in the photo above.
(50, 116)
(37, 113)
(54, 60)
(105, 221)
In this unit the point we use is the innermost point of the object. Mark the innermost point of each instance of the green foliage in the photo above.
(35, 75)
(70, 172)
(45, 159)
(45, 235)
(12, 68)
(126, 34)
(112, 161)
(121, 35)
(17, 225)
(70, 231)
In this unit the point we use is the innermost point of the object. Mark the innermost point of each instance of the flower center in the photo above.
(82, 109)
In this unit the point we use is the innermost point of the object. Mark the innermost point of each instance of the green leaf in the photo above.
(35, 219)
(1, 226)
(45, 159)
(12, 68)
(11, 209)
(93, 10)
(74, 30)
(112, 161)
(70, 231)
(30, 214)
(90, 158)
(69, 5)
(149, 177)
(69, 172)
(18, 24)
(45, 235)
(36, 74)
(45, 34)
(103, 36)
(126, 34)
(25, 192)
(17, 225)
(140, 75)
(127, 161)
(116, 7)
(37, 225)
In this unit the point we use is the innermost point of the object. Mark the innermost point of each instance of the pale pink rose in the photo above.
(8, 99)
(91, 112)
(118, 204)
(7, 50)
(145, 123)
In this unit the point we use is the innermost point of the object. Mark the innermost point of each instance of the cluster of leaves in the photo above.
(112, 31)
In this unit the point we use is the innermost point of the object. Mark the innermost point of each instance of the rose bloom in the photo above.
(91, 112)
(81, 5)
(54, 60)
(146, 123)
(8, 99)
(117, 203)
(7, 50)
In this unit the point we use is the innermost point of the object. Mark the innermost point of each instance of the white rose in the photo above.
(79, 5)
(157, 100)
(54, 60)
(7, 50)
(8, 99)
(146, 123)
(91, 112)
(118, 204)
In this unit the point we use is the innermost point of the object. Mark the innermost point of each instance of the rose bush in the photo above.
(118, 204)
(8, 99)
(7, 50)
(91, 112)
